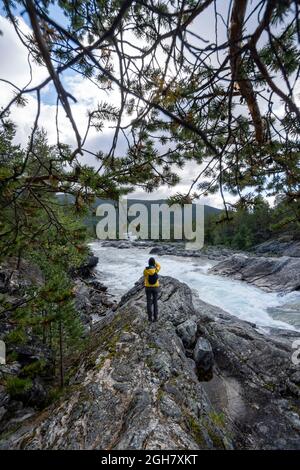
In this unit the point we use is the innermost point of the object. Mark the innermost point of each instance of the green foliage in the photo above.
(16, 386)
(249, 226)
(34, 369)
(182, 92)
(196, 430)
(16, 336)
(12, 357)
(217, 418)
(36, 227)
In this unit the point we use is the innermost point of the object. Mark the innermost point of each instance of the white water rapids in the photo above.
(119, 269)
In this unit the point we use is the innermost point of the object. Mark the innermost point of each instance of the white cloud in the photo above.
(164, 192)
(14, 56)
(15, 68)
(187, 174)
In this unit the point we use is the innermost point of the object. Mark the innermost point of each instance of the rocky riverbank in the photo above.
(173, 249)
(280, 274)
(284, 246)
(33, 360)
(199, 378)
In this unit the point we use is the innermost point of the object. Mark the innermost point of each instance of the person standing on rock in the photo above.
(151, 283)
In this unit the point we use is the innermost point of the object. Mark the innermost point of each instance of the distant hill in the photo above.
(91, 220)
(208, 210)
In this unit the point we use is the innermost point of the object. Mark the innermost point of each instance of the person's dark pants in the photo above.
(152, 294)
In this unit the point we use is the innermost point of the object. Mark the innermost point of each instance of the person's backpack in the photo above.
(152, 278)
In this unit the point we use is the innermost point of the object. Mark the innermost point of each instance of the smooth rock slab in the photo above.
(145, 394)
(270, 274)
(203, 355)
(187, 332)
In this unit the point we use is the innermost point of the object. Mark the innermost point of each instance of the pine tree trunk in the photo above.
(19, 258)
(44, 328)
(61, 355)
(50, 335)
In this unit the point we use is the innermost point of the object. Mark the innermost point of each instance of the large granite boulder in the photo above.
(187, 332)
(134, 389)
(86, 269)
(137, 386)
(203, 356)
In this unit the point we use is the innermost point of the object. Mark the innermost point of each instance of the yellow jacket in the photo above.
(151, 271)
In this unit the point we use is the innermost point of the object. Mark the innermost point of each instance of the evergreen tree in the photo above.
(183, 97)
(36, 227)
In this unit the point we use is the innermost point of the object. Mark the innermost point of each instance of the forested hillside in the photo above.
(249, 227)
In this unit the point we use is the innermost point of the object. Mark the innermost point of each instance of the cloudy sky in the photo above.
(14, 67)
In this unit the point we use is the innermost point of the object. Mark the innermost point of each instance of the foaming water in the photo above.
(119, 269)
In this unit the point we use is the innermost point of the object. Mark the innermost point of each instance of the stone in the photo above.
(295, 377)
(86, 269)
(187, 332)
(203, 355)
(169, 407)
(279, 247)
(154, 250)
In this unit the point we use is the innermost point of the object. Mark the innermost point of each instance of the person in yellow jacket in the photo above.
(151, 283)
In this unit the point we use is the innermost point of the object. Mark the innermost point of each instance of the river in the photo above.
(119, 269)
